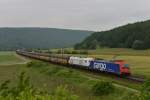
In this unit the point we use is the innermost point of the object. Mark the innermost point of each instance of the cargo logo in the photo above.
(100, 66)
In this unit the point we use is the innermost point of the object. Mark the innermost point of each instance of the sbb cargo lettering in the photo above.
(100, 66)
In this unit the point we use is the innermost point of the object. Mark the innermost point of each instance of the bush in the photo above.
(49, 52)
(22, 91)
(61, 93)
(79, 52)
(143, 95)
(84, 52)
(25, 91)
(59, 51)
(36, 64)
(103, 88)
(145, 90)
(53, 71)
(75, 52)
(67, 52)
(70, 75)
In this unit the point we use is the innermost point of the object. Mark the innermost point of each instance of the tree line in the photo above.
(136, 36)
(44, 38)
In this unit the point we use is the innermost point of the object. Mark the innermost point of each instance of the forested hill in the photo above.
(136, 35)
(14, 38)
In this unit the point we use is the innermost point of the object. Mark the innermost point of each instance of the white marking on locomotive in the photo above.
(100, 66)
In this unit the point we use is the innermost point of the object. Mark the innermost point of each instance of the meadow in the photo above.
(9, 58)
(138, 60)
(48, 76)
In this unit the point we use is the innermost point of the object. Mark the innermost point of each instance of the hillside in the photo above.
(136, 35)
(12, 38)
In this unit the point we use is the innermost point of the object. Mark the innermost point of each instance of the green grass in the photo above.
(7, 58)
(120, 51)
(49, 76)
(113, 51)
(79, 82)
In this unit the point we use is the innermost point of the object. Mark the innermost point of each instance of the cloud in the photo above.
(74, 14)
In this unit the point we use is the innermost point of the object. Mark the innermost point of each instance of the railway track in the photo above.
(132, 78)
(135, 78)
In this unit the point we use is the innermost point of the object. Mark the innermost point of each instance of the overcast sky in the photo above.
(73, 14)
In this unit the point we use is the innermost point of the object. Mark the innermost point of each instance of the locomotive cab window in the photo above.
(126, 65)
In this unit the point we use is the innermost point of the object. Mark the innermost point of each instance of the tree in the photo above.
(103, 88)
(138, 44)
(24, 90)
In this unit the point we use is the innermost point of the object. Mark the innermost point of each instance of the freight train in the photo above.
(117, 67)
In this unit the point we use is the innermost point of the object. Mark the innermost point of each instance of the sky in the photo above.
(96, 15)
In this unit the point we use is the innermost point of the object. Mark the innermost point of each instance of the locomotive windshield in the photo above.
(126, 65)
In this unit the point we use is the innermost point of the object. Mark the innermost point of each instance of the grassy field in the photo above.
(112, 51)
(120, 51)
(48, 76)
(8, 58)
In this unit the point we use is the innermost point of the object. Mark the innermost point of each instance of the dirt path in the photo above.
(14, 63)
(127, 88)
(22, 58)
